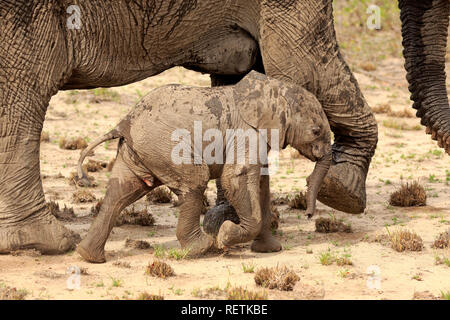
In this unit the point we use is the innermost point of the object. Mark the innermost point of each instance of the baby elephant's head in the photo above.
(309, 132)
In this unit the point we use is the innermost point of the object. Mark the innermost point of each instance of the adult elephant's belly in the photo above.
(224, 51)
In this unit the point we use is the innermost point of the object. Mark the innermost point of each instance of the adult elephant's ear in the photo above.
(425, 29)
(254, 99)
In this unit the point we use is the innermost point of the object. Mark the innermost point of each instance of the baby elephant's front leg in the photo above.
(241, 184)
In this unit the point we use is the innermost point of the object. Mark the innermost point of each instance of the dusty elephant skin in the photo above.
(124, 41)
(148, 150)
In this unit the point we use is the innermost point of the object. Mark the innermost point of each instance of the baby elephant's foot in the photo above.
(229, 234)
(199, 246)
(91, 254)
(266, 243)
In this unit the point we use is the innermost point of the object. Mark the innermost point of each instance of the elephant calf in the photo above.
(182, 137)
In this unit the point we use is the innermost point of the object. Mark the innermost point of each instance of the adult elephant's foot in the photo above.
(91, 253)
(266, 242)
(344, 188)
(198, 246)
(46, 235)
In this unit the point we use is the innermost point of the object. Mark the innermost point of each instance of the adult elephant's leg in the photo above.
(124, 188)
(32, 67)
(298, 44)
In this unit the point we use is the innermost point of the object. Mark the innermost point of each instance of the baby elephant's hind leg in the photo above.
(241, 186)
(124, 188)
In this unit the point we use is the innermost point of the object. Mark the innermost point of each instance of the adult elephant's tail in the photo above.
(425, 29)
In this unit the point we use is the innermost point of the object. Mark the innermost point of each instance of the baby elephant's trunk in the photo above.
(315, 181)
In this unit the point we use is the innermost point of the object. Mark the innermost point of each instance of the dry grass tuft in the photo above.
(386, 109)
(83, 196)
(405, 113)
(159, 269)
(74, 180)
(409, 195)
(331, 225)
(368, 66)
(8, 293)
(298, 202)
(72, 144)
(160, 195)
(394, 124)
(45, 136)
(132, 216)
(405, 240)
(96, 208)
(239, 293)
(280, 278)
(67, 214)
(94, 166)
(279, 199)
(122, 264)
(442, 241)
(147, 296)
(274, 218)
(137, 244)
(381, 108)
(424, 295)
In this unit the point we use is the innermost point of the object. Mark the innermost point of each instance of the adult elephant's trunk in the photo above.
(425, 29)
(314, 183)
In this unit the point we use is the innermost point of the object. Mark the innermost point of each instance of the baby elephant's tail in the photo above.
(82, 176)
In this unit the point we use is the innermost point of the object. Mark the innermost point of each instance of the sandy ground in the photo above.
(402, 155)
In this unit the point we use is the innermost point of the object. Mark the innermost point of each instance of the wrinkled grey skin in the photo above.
(125, 41)
(147, 147)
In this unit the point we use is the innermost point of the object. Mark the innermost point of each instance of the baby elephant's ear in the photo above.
(260, 114)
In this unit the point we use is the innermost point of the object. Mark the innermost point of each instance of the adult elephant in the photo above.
(123, 41)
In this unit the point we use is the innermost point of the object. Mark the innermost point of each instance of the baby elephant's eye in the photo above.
(316, 131)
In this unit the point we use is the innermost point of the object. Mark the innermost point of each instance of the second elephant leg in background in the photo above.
(305, 51)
